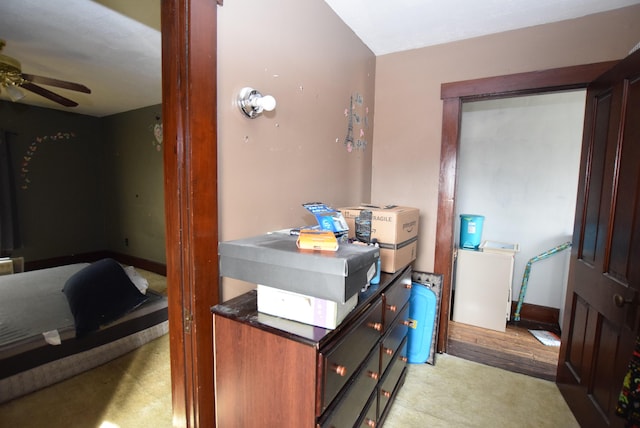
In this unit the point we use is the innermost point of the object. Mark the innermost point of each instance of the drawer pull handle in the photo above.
(392, 308)
(404, 359)
(386, 394)
(339, 370)
(375, 325)
(388, 351)
(408, 323)
(370, 423)
(373, 375)
(408, 286)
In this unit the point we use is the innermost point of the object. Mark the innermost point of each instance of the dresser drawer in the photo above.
(391, 381)
(341, 361)
(393, 339)
(355, 398)
(395, 298)
(369, 418)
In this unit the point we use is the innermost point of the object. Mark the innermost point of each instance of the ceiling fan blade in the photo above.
(48, 94)
(55, 82)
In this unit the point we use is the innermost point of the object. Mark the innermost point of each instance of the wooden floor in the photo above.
(516, 350)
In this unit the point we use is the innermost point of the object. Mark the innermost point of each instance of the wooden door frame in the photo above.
(189, 115)
(453, 95)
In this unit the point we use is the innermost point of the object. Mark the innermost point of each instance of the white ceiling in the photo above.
(82, 41)
(119, 57)
(387, 26)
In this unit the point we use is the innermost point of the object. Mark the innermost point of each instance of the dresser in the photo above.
(272, 372)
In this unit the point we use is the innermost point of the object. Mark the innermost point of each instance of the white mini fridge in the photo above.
(483, 288)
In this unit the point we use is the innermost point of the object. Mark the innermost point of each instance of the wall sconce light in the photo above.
(252, 102)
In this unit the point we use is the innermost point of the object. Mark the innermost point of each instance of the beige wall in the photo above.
(306, 57)
(409, 110)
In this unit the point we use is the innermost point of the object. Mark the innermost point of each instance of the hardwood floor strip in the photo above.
(516, 349)
(510, 363)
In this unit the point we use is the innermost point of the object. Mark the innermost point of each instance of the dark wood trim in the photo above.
(189, 93)
(141, 263)
(534, 82)
(66, 260)
(453, 95)
(446, 198)
(537, 313)
(159, 268)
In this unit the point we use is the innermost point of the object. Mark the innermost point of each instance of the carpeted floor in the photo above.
(460, 393)
(135, 391)
(131, 391)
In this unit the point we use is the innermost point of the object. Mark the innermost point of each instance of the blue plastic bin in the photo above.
(471, 230)
(422, 312)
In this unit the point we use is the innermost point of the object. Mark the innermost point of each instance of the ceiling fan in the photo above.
(12, 78)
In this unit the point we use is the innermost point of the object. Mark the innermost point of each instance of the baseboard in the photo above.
(145, 264)
(141, 263)
(536, 313)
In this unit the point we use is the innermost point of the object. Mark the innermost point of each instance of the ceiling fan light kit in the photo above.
(12, 78)
(14, 93)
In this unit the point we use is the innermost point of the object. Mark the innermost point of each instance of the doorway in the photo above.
(453, 95)
(518, 166)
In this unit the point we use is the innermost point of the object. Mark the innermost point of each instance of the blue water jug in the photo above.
(422, 312)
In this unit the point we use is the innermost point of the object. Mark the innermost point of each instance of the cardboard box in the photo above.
(395, 228)
(302, 308)
(275, 260)
(395, 258)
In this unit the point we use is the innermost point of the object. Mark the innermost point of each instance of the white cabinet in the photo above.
(482, 287)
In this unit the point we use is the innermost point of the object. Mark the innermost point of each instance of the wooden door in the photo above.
(601, 317)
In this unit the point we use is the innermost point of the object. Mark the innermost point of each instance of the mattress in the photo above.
(32, 303)
(29, 361)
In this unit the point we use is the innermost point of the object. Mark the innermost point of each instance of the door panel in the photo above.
(601, 317)
(596, 159)
(624, 233)
(576, 346)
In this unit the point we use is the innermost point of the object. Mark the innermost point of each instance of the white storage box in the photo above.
(302, 308)
(502, 247)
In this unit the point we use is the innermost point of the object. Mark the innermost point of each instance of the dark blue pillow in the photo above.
(99, 294)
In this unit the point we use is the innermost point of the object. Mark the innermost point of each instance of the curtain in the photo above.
(9, 238)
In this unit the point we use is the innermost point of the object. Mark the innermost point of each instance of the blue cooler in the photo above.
(471, 230)
(422, 312)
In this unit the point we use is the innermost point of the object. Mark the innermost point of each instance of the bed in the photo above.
(61, 321)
